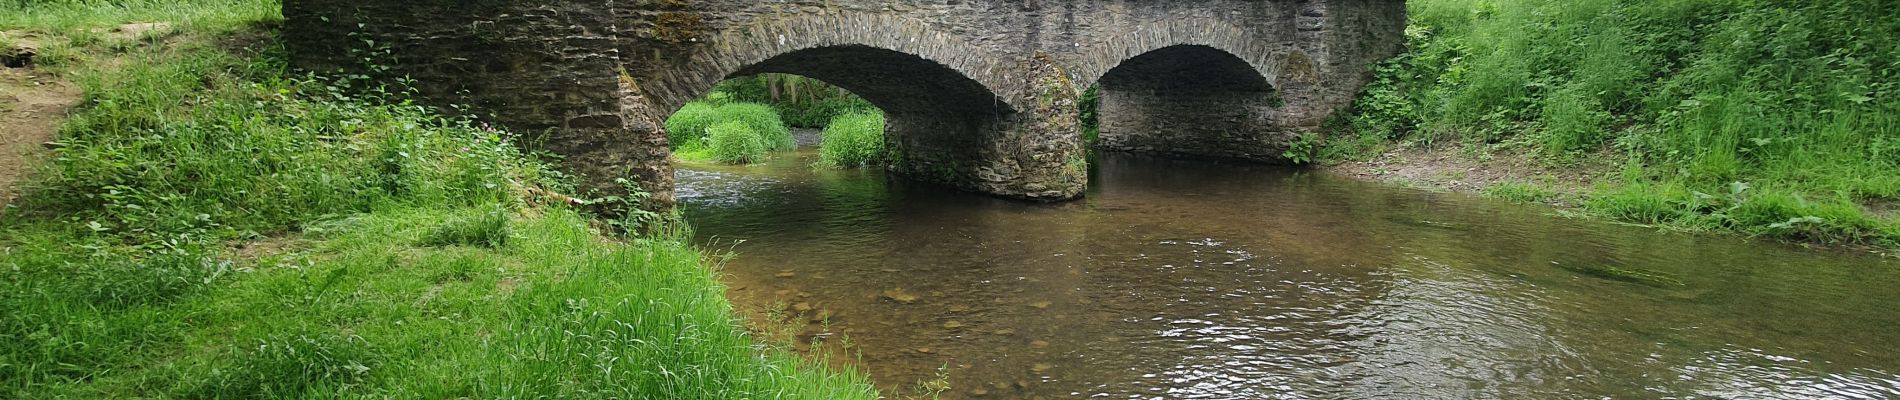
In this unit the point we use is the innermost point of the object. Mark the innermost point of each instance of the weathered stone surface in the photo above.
(980, 93)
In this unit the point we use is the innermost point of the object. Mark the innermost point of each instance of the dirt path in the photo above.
(32, 106)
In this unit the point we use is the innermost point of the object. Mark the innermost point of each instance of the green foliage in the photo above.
(1797, 97)
(1519, 192)
(687, 127)
(761, 119)
(803, 102)
(70, 16)
(281, 366)
(853, 140)
(1091, 107)
(1303, 149)
(484, 228)
(209, 227)
(734, 142)
(690, 130)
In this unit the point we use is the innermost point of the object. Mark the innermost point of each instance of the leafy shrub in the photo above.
(734, 142)
(1303, 149)
(1794, 97)
(853, 140)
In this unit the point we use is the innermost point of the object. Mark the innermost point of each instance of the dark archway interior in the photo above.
(897, 82)
(1186, 70)
(1189, 100)
(937, 119)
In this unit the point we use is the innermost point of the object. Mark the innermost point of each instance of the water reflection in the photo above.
(1189, 280)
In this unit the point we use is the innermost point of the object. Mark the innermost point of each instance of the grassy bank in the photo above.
(1773, 118)
(210, 226)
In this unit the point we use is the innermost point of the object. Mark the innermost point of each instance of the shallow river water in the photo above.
(1191, 280)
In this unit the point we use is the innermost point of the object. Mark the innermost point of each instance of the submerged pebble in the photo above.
(900, 296)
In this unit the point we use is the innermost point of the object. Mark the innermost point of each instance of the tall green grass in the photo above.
(853, 140)
(691, 131)
(734, 142)
(210, 226)
(1794, 99)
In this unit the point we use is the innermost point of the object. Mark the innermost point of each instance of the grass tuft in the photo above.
(853, 140)
(735, 142)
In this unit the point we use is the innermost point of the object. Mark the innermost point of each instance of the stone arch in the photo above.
(1195, 89)
(878, 56)
(956, 113)
(1146, 38)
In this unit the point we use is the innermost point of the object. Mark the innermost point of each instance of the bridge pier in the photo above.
(1034, 154)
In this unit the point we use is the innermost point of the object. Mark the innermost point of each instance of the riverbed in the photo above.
(1193, 280)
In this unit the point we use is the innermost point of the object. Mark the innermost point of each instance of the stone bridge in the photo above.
(980, 94)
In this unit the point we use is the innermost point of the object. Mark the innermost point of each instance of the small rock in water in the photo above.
(1005, 332)
(979, 392)
(925, 350)
(900, 296)
(1038, 344)
(1040, 304)
(786, 274)
(953, 325)
(1041, 367)
(801, 307)
(959, 308)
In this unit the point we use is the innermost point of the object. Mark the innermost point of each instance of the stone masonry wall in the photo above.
(980, 92)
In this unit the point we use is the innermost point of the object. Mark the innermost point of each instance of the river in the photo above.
(1191, 280)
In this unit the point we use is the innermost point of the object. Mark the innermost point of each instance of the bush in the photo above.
(734, 142)
(1793, 97)
(853, 140)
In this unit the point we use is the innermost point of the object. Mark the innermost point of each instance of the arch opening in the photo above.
(1191, 101)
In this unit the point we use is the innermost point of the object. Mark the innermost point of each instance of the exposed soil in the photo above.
(33, 104)
(1448, 168)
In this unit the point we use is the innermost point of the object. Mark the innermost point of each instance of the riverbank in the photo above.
(1774, 121)
(207, 224)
